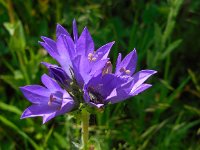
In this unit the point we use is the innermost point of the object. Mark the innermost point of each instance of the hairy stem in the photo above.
(85, 124)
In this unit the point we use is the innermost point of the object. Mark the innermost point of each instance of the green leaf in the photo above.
(23, 134)
(3, 2)
(10, 108)
(178, 90)
(17, 40)
(170, 48)
(194, 79)
(166, 84)
(157, 36)
(14, 83)
(192, 109)
(153, 129)
(10, 27)
(48, 136)
(61, 140)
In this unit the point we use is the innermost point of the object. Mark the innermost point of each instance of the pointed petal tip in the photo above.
(47, 65)
(47, 117)
(24, 114)
(112, 43)
(148, 85)
(40, 42)
(43, 38)
(22, 117)
(58, 25)
(23, 88)
(43, 44)
(149, 71)
(43, 63)
(85, 29)
(44, 121)
(135, 51)
(74, 20)
(46, 39)
(44, 76)
(153, 71)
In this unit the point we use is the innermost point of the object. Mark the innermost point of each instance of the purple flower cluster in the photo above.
(85, 76)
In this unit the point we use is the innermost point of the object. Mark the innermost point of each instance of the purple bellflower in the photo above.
(83, 78)
(77, 54)
(48, 101)
(111, 87)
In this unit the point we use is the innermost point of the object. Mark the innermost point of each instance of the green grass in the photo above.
(166, 36)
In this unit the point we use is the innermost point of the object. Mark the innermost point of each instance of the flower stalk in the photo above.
(10, 11)
(85, 125)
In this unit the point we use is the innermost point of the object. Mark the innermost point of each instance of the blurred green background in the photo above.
(166, 35)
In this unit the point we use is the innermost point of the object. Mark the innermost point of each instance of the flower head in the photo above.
(84, 76)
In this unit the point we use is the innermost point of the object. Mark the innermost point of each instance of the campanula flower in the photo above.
(83, 77)
(47, 101)
(115, 87)
(77, 55)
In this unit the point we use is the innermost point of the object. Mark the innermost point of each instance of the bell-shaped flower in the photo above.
(111, 87)
(47, 101)
(77, 54)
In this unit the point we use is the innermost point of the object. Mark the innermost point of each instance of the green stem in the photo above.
(85, 124)
(10, 11)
